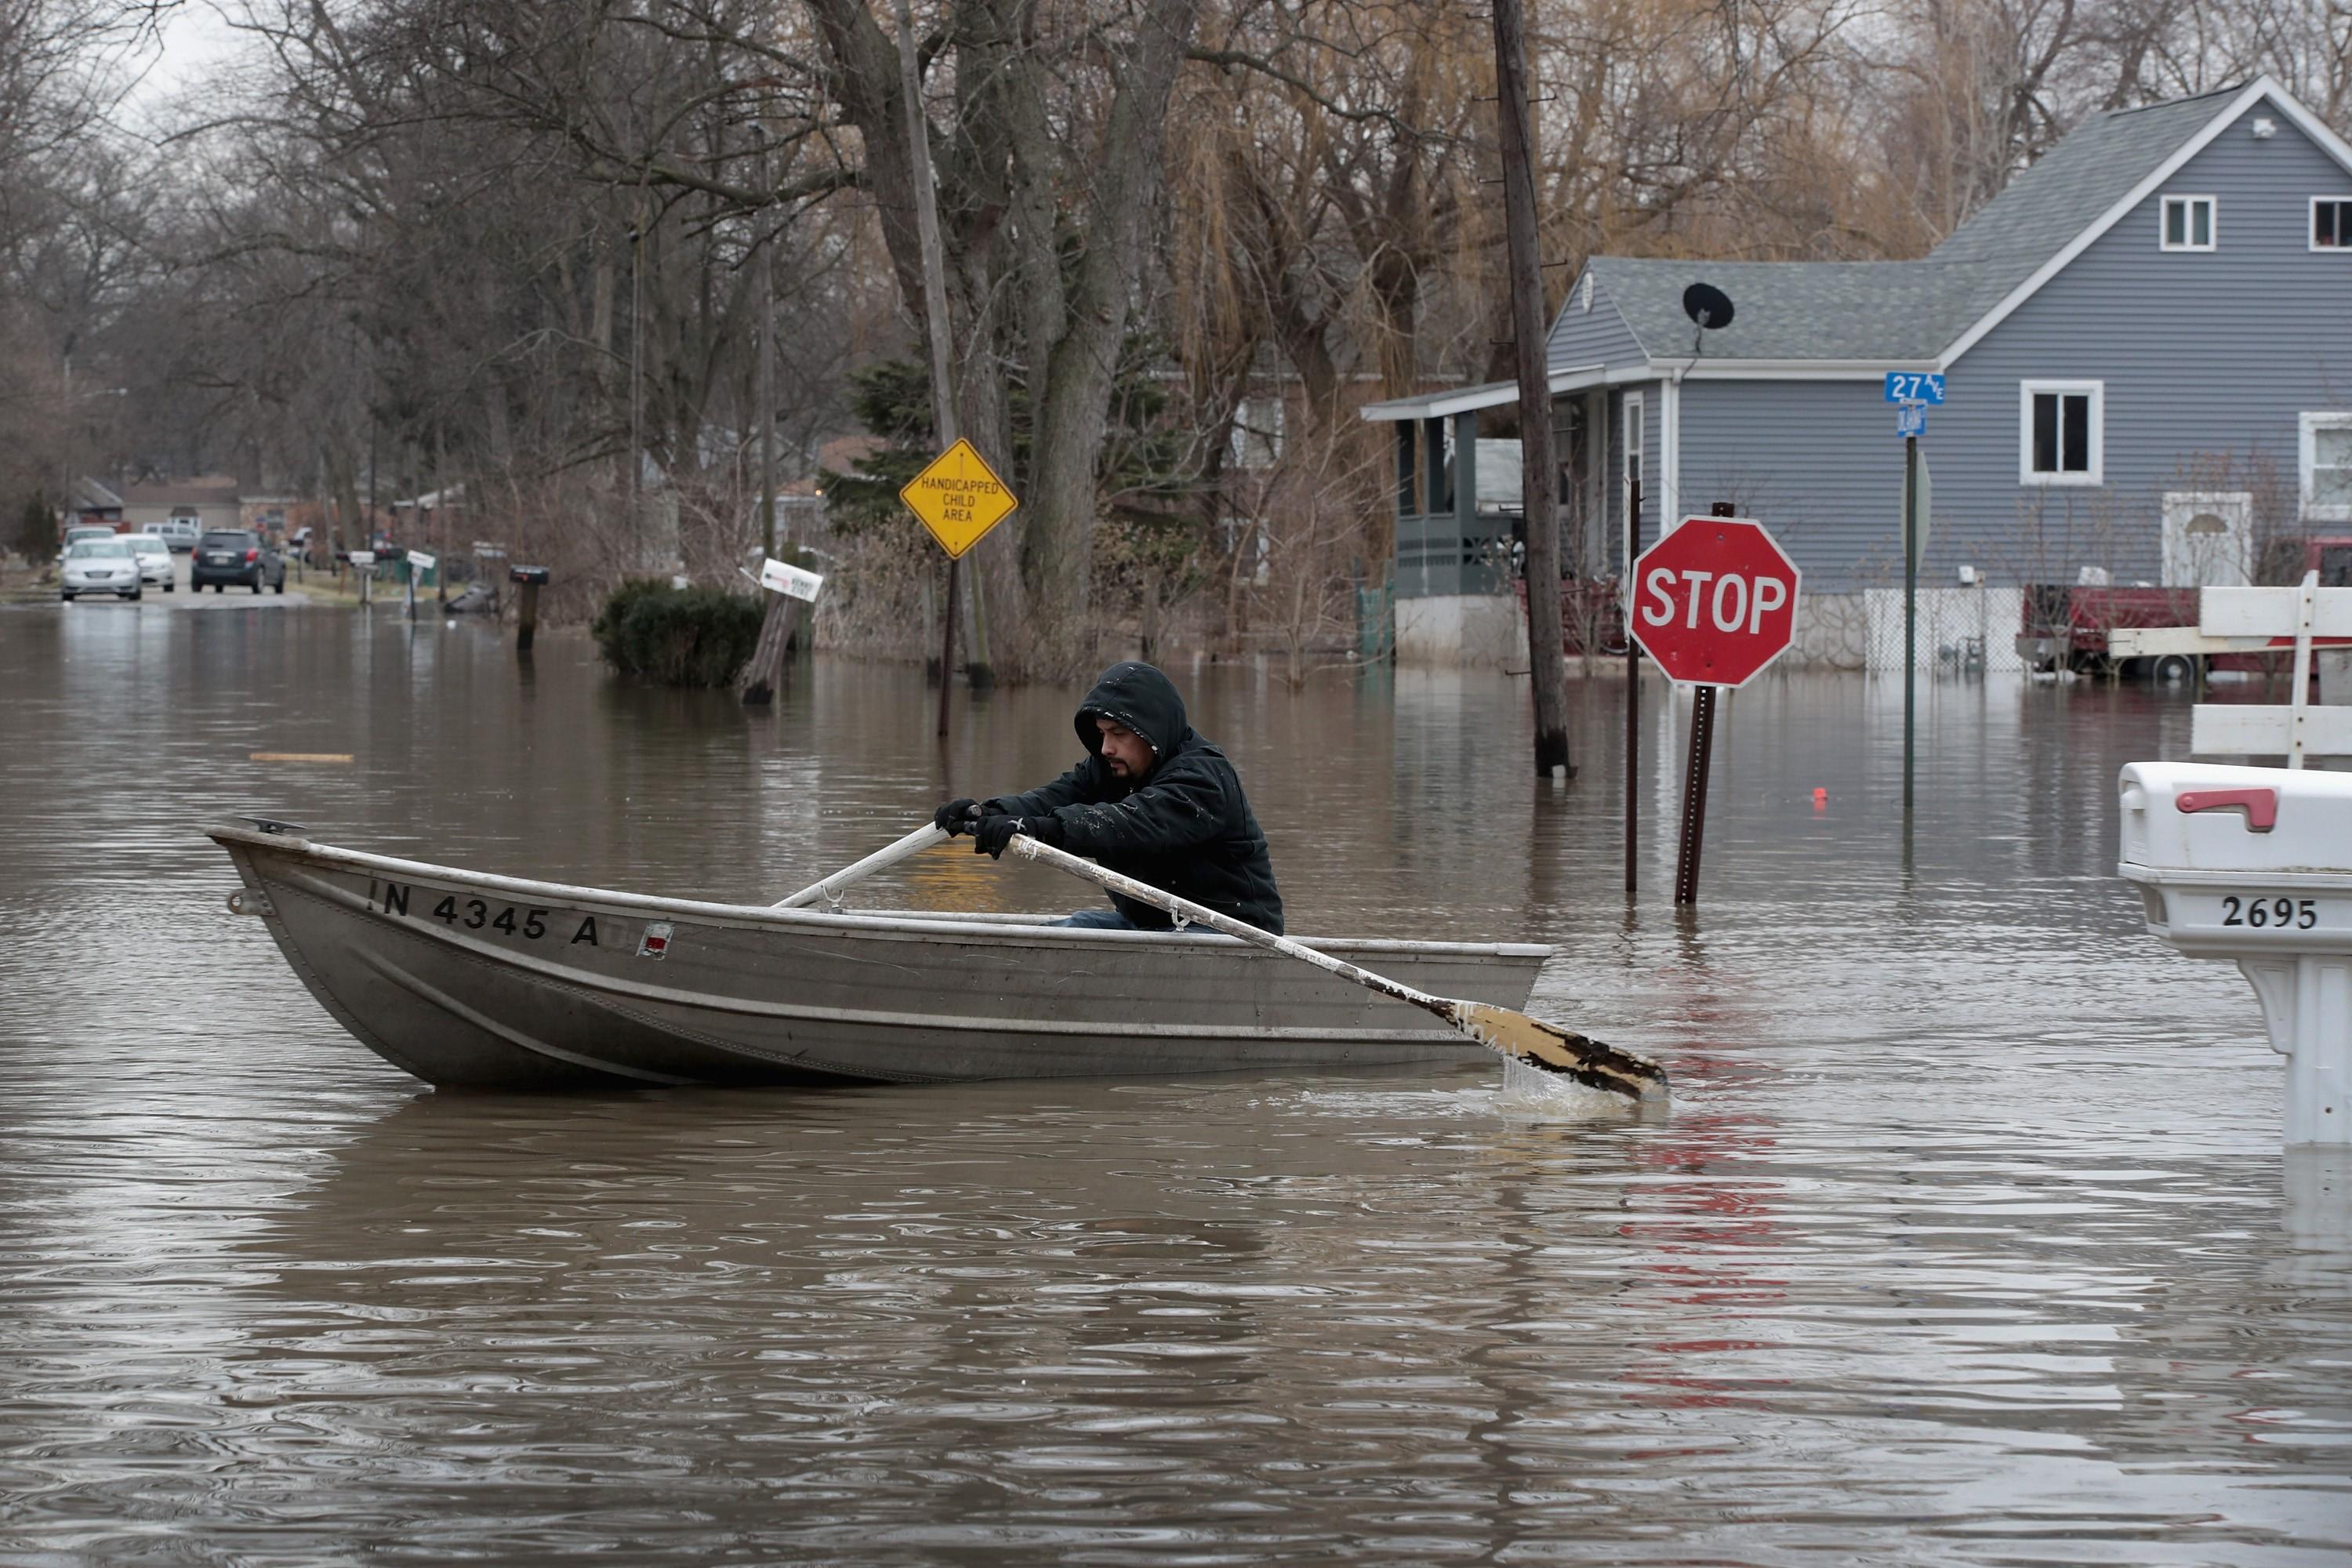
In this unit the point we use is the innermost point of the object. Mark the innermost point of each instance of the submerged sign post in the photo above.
(1912, 391)
(1714, 602)
(959, 499)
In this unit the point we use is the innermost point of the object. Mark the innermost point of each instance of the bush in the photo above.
(679, 636)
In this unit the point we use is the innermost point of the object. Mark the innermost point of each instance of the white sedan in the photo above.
(99, 566)
(155, 555)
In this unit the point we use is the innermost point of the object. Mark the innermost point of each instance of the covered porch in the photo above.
(1460, 527)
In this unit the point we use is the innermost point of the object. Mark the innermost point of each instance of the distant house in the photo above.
(209, 501)
(93, 502)
(2147, 345)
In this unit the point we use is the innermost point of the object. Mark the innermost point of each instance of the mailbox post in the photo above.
(530, 579)
(2254, 865)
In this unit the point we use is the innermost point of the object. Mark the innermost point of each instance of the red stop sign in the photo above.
(1715, 600)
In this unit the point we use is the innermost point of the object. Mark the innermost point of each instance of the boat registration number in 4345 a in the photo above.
(461, 913)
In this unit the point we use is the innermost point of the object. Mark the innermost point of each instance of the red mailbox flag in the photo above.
(1715, 600)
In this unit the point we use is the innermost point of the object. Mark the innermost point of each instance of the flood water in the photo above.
(1969, 1238)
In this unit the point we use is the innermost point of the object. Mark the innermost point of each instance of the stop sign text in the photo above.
(1736, 604)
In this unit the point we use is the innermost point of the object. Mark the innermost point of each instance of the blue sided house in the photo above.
(2146, 343)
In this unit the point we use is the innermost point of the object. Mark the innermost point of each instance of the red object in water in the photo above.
(2260, 804)
(1821, 798)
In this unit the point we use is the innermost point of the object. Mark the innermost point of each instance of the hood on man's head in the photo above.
(1139, 697)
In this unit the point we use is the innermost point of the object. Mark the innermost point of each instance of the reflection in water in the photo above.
(1966, 1233)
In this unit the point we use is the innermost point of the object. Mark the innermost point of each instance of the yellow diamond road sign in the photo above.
(958, 498)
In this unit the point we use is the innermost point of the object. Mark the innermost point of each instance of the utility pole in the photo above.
(1538, 497)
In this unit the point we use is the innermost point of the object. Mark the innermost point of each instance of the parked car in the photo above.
(155, 559)
(81, 531)
(98, 566)
(180, 533)
(226, 555)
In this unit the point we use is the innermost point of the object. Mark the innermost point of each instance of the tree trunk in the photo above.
(1071, 317)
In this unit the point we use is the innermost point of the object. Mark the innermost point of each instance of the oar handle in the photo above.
(833, 886)
(1185, 909)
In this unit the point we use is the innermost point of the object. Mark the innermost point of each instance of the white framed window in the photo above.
(2187, 223)
(2331, 223)
(2061, 432)
(1257, 432)
(2326, 461)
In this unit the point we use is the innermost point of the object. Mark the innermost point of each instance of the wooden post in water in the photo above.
(1539, 483)
(757, 685)
(527, 604)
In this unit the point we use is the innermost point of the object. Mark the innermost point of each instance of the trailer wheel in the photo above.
(2175, 667)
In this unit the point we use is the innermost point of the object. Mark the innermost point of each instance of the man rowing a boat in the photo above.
(1152, 800)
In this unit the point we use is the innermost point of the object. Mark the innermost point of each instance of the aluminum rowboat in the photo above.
(477, 981)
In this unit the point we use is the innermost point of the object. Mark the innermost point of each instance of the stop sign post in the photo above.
(1713, 603)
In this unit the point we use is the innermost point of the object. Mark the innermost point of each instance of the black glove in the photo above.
(957, 815)
(995, 832)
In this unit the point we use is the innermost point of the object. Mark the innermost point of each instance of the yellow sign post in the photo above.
(958, 498)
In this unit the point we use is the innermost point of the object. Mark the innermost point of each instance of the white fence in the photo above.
(1953, 623)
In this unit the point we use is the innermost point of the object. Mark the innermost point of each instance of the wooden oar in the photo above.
(1515, 1035)
(833, 886)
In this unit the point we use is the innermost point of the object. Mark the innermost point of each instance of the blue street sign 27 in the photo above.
(1914, 387)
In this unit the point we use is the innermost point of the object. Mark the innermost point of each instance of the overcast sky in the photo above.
(195, 36)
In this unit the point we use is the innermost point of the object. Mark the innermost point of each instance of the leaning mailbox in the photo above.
(2254, 865)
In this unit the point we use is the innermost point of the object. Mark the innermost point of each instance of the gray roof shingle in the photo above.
(1911, 309)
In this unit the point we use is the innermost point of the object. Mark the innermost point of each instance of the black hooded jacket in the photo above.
(1186, 828)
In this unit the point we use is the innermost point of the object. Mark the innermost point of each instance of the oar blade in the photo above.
(1551, 1049)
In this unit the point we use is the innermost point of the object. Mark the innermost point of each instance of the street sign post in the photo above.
(958, 498)
(1714, 602)
(1915, 515)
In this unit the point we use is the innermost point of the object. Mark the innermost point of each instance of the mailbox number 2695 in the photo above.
(2301, 914)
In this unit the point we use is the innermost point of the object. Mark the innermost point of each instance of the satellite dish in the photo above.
(1708, 305)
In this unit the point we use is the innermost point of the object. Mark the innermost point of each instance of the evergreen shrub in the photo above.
(678, 636)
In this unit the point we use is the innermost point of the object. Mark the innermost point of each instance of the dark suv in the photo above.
(226, 555)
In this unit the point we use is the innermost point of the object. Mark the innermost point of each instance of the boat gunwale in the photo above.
(884, 926)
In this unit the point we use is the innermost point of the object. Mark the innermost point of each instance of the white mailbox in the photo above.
(2255, 865)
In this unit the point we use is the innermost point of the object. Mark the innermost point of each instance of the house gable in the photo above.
(1591, 330)
(1977, 241)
